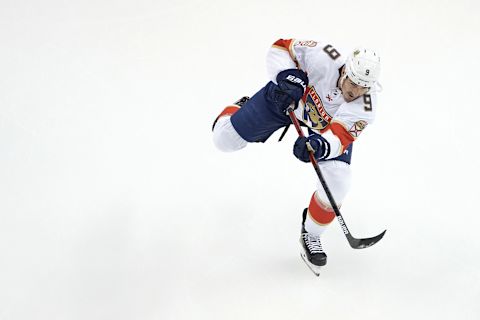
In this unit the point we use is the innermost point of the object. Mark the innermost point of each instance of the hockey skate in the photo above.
(240, 102)
(311, 249)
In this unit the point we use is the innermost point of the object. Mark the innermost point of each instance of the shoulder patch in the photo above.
(357, 128)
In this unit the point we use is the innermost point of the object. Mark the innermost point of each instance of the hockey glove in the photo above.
(319, 144)
(291, 85)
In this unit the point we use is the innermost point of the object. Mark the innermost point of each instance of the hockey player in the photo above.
(334, 95)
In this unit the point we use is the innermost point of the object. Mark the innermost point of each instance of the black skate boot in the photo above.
(312, 251)
(241, 101)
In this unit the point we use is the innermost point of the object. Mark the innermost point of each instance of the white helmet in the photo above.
(363, 67)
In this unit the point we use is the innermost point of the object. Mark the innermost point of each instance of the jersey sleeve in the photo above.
(349, 122)
(281, 56)
(306, 55)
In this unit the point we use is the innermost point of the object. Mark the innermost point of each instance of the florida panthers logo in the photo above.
(314, 111)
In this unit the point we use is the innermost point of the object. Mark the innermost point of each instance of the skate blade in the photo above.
(315, 269)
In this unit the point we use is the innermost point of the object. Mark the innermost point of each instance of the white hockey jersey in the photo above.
(323, 107)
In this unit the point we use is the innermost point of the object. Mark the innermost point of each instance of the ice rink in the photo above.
(115, 204)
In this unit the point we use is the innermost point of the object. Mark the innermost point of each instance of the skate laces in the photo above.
(312, 242)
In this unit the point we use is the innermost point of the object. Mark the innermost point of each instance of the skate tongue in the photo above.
(313, 243)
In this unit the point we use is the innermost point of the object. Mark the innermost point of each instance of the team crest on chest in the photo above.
(314, 110)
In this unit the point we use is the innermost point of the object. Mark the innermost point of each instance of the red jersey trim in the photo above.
(342, 133)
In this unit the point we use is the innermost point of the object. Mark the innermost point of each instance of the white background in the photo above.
(114, 203)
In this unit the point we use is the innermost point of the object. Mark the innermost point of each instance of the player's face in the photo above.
(351, 91)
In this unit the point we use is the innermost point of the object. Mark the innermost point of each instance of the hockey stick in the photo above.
(354, 242)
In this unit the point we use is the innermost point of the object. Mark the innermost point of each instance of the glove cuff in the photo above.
(324, 146)
(294, 76)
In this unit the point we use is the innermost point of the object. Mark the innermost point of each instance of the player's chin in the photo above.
(348, 97)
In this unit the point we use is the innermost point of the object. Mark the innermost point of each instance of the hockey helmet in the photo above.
(363, 67)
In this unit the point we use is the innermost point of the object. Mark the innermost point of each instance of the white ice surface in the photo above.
(114, 203)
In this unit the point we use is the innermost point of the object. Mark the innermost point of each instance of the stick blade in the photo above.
(365, 243)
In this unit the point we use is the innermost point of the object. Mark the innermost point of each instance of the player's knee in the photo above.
(225, 137)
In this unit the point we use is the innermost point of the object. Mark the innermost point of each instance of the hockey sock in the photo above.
(228, 111)
(319, 216)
